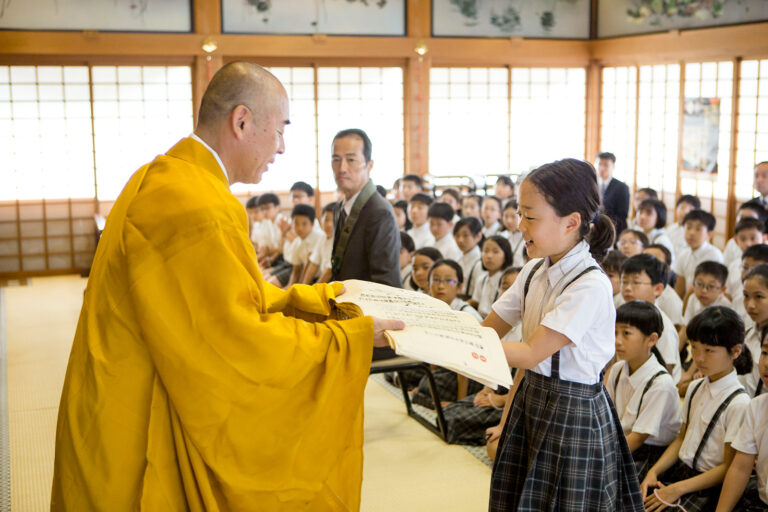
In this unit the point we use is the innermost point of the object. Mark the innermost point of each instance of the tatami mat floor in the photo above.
(406, 467)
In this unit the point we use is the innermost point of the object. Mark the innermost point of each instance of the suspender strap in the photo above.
(759, 388)
(647, 387)
(471, 276)
(690, 401)
(712, 424)
(535, 268)
(616, 380)
(340, 246)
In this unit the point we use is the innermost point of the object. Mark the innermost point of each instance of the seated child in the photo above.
(641, 195)
(407, 248)
(468, 233)
(748, 232)
(452, 197)
(504, 189)
(401, 215)
(669, 301)
(751, 447)
(441, 226)
(418, 207)
(651, 219)
(640, 386)
(631, 242)
(307, 239)
(445, 278)
(752, 257)
(319, 265)
(708, 289)
(510, 219)
(612, 267)
(675, 232)
(752, 209)
(471, 205)
(422, 262)
(266, 235)
(691, 469)
(491, 214)
(642, 278)
(756, 303)
(699, 226)
(254, 216)
(410, 185)
(497, 256)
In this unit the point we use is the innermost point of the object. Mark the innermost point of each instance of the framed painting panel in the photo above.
(543, 19)
(304, 17)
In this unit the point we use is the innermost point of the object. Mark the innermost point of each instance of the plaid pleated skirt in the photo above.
(563, 449)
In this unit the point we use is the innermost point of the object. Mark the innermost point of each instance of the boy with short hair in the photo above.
(267, 236)
(699, 226)
(669, 301)
(753, 209)
(675, 232)
(254, 215)
(298, 251)
(748, 232)
(418, 210)
(320, 260)
(471, 206)
(410, 185)
(504, 188)
(441, 226)
(407, 248)
(643, 278)
(708, 289)
(302, 193)
(612, 267)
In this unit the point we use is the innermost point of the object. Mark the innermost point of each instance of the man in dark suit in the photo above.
(615, 193)
(366, 240)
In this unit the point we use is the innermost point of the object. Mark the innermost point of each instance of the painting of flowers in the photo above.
(547, 19)
(627, 17)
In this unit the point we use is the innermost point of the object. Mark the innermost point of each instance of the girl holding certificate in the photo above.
(562, 446)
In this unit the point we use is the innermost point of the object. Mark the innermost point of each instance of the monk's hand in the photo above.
(380, 325)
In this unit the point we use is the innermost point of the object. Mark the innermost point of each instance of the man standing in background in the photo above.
(615, 193)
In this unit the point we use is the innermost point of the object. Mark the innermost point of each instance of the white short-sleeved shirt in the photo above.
(322, 254)
(669, 347)
(733, 284)
(471, 267)
(659, 236)
(486, 291)
(584, 313)
(256, 231)
(732, 253)
(493, 229)
(751, 379)
(687, 260)
(753, 439)
(695, 306)
(266, 234)
(618, 300)
(460, 305)
(422, 236)
(671, 304)
(705, 403)
(660, 415)
(676, 234)
(448, 248)
(515, 333)
(298, 251)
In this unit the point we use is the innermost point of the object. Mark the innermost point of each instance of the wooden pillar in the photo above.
(416, 89)
(207, 25)
(732, 200)
(594, 90)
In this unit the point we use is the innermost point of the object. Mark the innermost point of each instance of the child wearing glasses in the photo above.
(632, 242)
(643, 277)
(708, 289)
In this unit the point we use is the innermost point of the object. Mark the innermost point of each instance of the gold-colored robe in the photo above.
(193, 384)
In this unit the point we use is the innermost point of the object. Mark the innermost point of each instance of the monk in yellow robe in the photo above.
(192, 384)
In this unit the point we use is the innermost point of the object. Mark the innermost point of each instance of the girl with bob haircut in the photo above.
(562, 446)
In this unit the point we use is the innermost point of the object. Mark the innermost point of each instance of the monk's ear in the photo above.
(239, 119)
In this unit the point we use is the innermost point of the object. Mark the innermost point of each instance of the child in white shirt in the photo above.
(669, 301)
(699, 226)
(640, 386)
(307, 239)
(471, 206)
(319, 265)
(643, 277)
(752, 257)
(748, 232)
(497, 256)
(491, 214)
(418, 207)
(712, 414)
(752, 209)
(423, 259)
(708, 289)
(652, 219)
(510, 220)
(751, 446)
(756, 303)
(468, 233)
(441, 226)
(611, 265)
(675, 232)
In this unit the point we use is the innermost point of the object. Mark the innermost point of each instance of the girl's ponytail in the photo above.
(743, 363)
(659, 357)
(601, 236)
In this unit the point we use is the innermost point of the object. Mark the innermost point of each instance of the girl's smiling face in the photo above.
(544, 232)
(493, 256)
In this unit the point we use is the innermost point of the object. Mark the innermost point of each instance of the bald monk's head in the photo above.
(242, 116)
